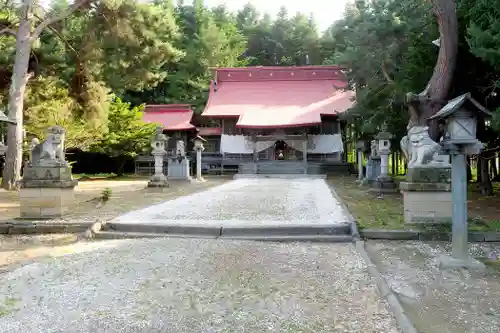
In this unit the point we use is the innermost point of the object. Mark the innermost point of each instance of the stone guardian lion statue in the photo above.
(51, 150)
(420, 150)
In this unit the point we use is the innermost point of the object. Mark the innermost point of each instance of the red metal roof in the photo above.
(279, 96)
(173, 117)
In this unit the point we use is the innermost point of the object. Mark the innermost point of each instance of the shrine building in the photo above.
(280, 119)
(265, 120)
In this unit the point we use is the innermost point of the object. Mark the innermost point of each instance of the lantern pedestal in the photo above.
(178, 170)
(383, 184)
(427, 195)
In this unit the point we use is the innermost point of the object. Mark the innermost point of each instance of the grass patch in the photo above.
(370, 210)
(385, 211)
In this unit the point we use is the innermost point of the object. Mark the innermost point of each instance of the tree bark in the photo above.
(433, 97)
(485, 184)
(20, 76)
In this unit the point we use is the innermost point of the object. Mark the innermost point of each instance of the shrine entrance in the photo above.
(284, 152)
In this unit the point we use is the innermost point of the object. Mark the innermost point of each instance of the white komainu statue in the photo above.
(51, 150)
(181, 150)
(420, 150)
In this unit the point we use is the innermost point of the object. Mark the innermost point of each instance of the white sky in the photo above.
(325, 11)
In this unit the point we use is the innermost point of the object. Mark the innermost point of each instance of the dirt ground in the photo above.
(441, 301)
(126, 195)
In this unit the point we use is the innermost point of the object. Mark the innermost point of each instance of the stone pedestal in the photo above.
(178, 169)
(427, 195)
(158, 179)
(372, 170)
(383, 184)
(46, 191)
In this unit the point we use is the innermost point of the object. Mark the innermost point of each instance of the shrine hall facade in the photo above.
(265, 119)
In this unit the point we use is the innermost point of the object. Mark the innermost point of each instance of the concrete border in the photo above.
(214, 231)
(473, 237)
(318, 233)
(285, 230)
(29, 228)
(385, 291)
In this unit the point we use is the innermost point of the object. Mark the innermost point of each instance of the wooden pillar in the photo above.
(255, 153)
(304, 155)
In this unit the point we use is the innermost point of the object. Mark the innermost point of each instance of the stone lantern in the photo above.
(158, 143)
(460, 116)
(198, 147)
(384, 182)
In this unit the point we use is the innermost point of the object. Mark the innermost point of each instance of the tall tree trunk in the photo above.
(433, 97)
(494, 169)
(485, 185)
(20, 76)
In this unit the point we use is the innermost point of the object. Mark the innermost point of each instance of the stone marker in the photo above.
(178, 167)
(373, 165)
(47, 187)
(158, 143)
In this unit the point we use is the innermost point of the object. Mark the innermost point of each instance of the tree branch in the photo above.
(8, 31)
(385, 73)
(51, 20)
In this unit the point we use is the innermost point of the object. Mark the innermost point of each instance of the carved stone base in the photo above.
(178, 170)
(158, 181)
(46, 191)
(426, 202)
(47, 173)
(428, 175)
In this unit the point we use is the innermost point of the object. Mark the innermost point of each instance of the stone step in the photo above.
(270, 229)
(275, 238)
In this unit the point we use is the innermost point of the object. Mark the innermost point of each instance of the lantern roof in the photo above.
(455, 104)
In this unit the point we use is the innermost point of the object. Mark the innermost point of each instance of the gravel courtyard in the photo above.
(248, 202)
(195, 285)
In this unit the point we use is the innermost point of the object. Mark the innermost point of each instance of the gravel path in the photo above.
(194, 285)
(248, 202)
(436, 300)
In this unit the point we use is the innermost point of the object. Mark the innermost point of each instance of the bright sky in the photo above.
(324, 11)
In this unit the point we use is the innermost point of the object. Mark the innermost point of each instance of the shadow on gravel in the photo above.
(440, 301)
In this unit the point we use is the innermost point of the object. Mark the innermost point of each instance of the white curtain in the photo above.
(240, 144)
(320, 144)
(317, 144)
(325, 144)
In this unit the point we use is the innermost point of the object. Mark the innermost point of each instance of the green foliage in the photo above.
(127, 134)
(161, 52)
(484, 29)
(48, 103)
(106, 194)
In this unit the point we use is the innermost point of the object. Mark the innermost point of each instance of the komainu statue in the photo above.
(420, 150)
(180, 148)
(50, 151)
